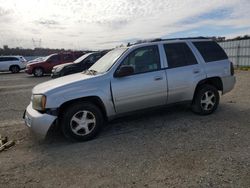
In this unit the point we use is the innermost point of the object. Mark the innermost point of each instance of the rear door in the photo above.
(147, 87)
(183, 72)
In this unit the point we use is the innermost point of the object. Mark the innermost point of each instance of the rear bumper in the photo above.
(228, 83)
(39, 123)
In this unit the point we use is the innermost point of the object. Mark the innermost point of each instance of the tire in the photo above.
(38, 72)
(206, 100)
(81, 121)
(15, 69)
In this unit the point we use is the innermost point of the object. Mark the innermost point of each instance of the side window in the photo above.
(13, 59)
(54, 59)
(144, 59)
(8, 59)
(179, 55)
(2, 59)
(210, 51)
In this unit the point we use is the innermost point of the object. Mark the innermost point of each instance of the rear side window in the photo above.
(179, 55)
(210, 51)
(8, 59)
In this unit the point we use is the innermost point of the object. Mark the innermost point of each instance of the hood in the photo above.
(34, 62)
(63, 65)
(60, 82)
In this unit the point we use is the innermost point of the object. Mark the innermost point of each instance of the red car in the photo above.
(46, 64)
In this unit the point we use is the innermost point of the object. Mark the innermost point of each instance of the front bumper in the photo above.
(38, 122)
(228, 83)
(28, 71)
(55, 74)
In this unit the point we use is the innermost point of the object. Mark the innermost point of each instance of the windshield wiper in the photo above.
(90, 72)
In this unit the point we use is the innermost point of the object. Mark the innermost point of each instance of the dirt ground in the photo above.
(170, 147)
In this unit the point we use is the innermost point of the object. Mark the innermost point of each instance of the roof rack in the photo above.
(160, 39)
(185, 38)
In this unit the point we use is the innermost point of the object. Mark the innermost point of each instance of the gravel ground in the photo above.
(170, 147)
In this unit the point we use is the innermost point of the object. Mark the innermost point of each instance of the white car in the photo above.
(12, 63)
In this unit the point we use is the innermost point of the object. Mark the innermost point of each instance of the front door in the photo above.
(53, 61)
(147, 87)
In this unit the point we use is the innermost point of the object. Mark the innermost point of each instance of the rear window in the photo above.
(210, 51)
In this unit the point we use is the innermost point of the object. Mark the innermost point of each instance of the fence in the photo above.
(238, 51)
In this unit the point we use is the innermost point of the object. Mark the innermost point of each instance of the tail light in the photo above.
(232, 68)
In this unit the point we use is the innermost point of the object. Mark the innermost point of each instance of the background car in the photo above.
(39, 68)
(79, 65)
(36, 60)
(12, 63)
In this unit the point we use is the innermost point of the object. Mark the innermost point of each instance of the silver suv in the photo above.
(12, 63)
(130, 79)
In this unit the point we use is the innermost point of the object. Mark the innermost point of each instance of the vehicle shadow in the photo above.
(175, 118)
(128, 123)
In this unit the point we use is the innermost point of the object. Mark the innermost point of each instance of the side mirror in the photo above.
(124, 70)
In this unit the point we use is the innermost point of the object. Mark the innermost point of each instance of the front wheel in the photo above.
(81, 121)
(38, 72)
(206, 100)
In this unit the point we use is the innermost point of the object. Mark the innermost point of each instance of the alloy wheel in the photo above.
(208, 100)
(83, 123)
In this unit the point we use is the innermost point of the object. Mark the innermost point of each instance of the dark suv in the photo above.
(45, 65)
(79, 65)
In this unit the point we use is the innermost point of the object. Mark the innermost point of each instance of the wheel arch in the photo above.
(92, 99)
(214, 81)
(13, 66)
(34, 68)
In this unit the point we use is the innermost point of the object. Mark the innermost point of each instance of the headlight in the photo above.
(58, 69)
(39, 102)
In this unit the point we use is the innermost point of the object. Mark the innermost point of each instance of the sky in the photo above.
(102, 24)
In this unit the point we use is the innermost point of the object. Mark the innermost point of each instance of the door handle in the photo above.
(158, 78)
(196, 71)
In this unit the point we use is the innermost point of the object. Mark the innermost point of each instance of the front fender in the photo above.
(55, 100)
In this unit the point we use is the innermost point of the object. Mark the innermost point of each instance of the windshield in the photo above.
(46, 58)
(107, 61)
(82, 58)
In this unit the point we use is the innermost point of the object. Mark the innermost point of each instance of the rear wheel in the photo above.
(38, 72)
(15, 69)
(206, 100)
(81, 121)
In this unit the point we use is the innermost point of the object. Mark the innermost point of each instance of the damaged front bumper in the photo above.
(38, 122)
